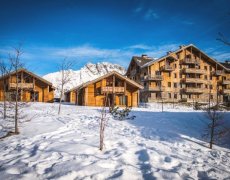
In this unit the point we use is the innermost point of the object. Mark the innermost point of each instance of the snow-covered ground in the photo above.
(154, 145)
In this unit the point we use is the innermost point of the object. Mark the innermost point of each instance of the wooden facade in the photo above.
(187, 74)
(119, 90)
(31, 88)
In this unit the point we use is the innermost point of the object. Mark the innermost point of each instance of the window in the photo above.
(169, 84)
(175, 66)
(145, 74)
(169, 95)
(206, 86)
(189, 96)
(175, 85)
(122, 100)
(210, 87)
(210, 77)
(211, 96)
(145, 84)
(205, 77)
(210, 68)
(180, 66)
(205, 67)
(178, 56)
(169, 74)
(180, 75)
(175, 96)
(175, 75)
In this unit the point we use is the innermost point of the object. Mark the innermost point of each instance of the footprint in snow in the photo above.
(13, 171)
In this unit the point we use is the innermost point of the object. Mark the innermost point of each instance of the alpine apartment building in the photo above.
(186, 75)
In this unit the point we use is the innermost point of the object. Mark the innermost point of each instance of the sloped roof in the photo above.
(142, 60)
(182, 48)
(105, 76)
(226, 65)
(28, 72)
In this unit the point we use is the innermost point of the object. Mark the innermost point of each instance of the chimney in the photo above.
(181, 46)
(144, 56)
(169, 52)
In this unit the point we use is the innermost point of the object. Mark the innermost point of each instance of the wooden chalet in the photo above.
(119, 90)
(31, 87)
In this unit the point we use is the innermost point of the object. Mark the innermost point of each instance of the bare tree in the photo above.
(5, 71)
(16, 65)
(103, 122)
(64, 68)
(216, 126)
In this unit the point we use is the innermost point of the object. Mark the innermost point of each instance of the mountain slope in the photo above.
(87, 73)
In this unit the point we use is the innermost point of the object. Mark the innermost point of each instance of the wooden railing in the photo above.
(110, 89)
(194, 71)
(226, 91)
(192, 90)
(226, 81)
(21, 85)
(166, 68)
(217, 72)
(156, 88)
(152, 77)
(193, 80)
(189, 61)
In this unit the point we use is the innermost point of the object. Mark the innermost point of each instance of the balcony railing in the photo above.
(109, 89)
(193, 80)
(194, 71)
(152, 78)
(166, 68)
(156, 88)
(189, 61)
(217, 72)
(21, 85)
(225, 82)
(192, 90)
(225, 91)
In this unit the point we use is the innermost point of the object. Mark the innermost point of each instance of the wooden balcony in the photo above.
(21, 85)
(193, 71)
(217, 72)
(226, 82)
(225, 91)
(189, 61)
(166, 68)
(191, 90)
(152, 78)
(109, 89)
(193, 80)
(155, 89)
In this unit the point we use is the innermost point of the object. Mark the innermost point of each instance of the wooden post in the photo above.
(21, 94)
(113, 93)
(125, 87)
(86, 97)
(138, 97)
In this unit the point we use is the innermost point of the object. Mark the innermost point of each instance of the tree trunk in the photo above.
(16, 105)
(59, 108)
(212, 133)
(4, 102)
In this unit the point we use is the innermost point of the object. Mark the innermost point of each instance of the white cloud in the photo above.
(151, 14)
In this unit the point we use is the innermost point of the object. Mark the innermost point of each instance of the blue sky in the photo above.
(113, 31)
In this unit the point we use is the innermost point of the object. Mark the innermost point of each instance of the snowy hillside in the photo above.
(154, 145)
(87, 73)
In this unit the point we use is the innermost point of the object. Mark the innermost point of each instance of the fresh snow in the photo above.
(155, 145)
(87, 73)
